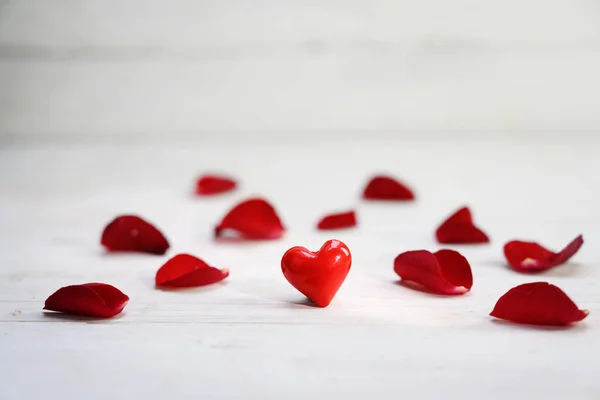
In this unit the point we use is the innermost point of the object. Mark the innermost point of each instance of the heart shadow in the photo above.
(306, 302)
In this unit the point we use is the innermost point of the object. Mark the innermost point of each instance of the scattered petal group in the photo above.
(319, 275)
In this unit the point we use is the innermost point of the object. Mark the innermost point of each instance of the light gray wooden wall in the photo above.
(80, 70)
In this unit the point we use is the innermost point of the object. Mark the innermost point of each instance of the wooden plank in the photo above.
(252, 336)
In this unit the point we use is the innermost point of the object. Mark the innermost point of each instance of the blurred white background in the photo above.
(215, 70)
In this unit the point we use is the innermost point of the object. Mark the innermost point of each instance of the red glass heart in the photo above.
(317, 275)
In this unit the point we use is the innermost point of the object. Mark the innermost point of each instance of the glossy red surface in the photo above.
(317, 275)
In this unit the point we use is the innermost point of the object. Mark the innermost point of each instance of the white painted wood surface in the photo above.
(250, 337)
(110, 107)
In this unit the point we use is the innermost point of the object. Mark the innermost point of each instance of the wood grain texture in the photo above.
(252, 336)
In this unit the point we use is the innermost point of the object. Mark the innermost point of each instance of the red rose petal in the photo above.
(538, 303)
(252, 219)
(532, 257)
(337, 221)
(443, 272)
(89, 299)
(185, 270)
(213, 184)
(459, 228)
(131, 233)
(387, 188)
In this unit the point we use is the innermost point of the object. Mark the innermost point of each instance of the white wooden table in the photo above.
(250, 337)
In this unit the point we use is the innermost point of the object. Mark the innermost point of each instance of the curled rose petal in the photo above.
(443, 272)
(185, 270)
(208, 185)
(532, 257)
(459, 228)
(252, 219)
(337, 221)
(90, 299)
(133, 234)
(538, 303)
(387, 188)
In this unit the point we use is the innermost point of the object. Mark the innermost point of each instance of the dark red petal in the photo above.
(444, 272)
(131, 233)
(569, 251)
(387, 188)
(185, 270)
(532, 257)
(337, 221)
(538, 303)
(459, 228)
(89, 299)
(213, 184)
(252, 219)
